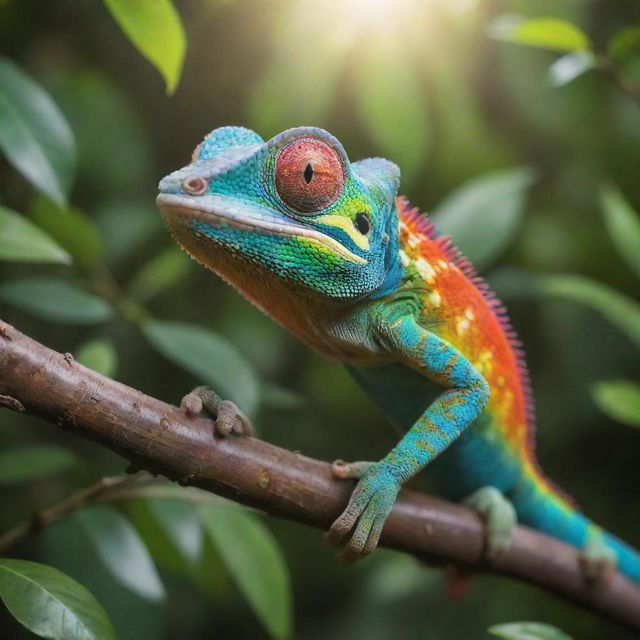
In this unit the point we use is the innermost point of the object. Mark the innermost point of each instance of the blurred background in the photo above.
(517, 123)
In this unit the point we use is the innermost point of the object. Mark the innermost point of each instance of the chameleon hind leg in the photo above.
(499, 516)
(227, 416)
(598, 561)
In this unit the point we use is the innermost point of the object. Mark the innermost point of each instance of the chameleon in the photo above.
(328, 249)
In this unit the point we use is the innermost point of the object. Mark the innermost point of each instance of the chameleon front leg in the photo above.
(443, 421)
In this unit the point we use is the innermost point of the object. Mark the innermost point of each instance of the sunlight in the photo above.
(359, 14)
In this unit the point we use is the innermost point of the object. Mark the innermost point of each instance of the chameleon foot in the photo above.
(361, 523)
(597, 560)
(344, 470)
(228, 418)
(499, 516)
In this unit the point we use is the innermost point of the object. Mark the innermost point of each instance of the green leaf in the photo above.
(623, 225)
(99, 355)
(51, 604)
(624, 44)
(391, 101)
(208, 357)
(126, 226)
(72, 229)
(182, 525)
(619, 399)
(55, 300)
(544, 33)
(22, 241)
(122, 551)
(170, 491)
(34, 134)
(90, 99)
(483, 214)
(528, 631)
(162, 271)
(282, 398)
(33, 462)
(154, 27)
(621, 311)
(67, 544)
(254, 560)
(570, 66)
(394, 577)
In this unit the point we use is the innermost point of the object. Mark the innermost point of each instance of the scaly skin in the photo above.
(327, 249)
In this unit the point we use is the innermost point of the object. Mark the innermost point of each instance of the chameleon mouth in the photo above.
(219, 212)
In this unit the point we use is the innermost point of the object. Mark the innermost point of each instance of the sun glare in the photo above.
(353, 17)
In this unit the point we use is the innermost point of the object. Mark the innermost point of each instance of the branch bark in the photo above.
(160, 438)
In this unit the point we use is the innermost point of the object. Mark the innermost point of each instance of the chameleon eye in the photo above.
(309, 175)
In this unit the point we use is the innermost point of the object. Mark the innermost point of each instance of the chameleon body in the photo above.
(327, 248)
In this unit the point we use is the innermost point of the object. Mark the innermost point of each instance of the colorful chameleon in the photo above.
(327, 249)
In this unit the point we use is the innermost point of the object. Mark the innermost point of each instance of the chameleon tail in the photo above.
(540, 506)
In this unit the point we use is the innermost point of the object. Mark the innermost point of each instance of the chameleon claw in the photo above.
(362, 521)
(231, 420)
(228, 417)
(199, 399)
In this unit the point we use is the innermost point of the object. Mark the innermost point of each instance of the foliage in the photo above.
(483, 215)
(34, 135)
(31, 462)
(528, 631)
(155, 29)
(524, 159)
(253, 558)
(620, 399)
(21, 240)
(51, 604)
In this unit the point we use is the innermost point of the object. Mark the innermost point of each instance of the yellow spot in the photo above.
(469, 314)
(425, 269)
(434, 298)
(413, 240)
(485, 361)
(462, 326)
(346, 224)
(404, 259)
(500, 381)
(442, 264)
(507, 401)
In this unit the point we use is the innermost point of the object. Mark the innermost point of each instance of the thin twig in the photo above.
(98, 491)
(162, 439)
(619, 78)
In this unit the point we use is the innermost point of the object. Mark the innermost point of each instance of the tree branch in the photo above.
(159, 438)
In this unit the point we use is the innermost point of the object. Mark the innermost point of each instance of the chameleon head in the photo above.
(293, 208)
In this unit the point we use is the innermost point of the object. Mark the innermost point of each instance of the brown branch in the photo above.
(160, 438)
